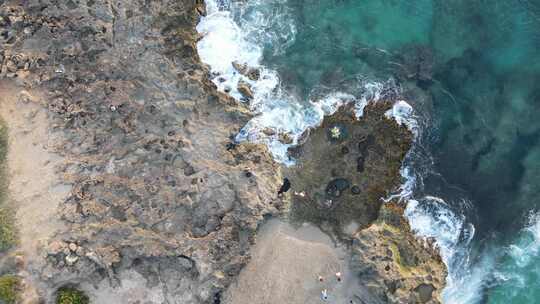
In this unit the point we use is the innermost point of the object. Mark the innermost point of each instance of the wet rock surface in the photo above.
(346, 166)
(249, 72)
(395, 266)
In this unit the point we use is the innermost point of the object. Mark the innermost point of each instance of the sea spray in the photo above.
(515, 277)
(432, 217)
(225, 44)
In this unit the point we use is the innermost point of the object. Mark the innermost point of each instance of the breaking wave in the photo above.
(235, 35)
(516, 275)
(432, 217)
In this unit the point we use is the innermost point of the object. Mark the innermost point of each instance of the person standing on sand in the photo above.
(338, 276)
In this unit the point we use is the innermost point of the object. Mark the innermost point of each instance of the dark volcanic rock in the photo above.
(336, 187)
(344, 151)
(249, 72)
(245, 89)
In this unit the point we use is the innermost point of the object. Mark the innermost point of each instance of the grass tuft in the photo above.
(8, 234)
(9, 289)
(71, 295)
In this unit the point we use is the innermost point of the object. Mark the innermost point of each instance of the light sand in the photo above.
(285, 267)
(34, 186)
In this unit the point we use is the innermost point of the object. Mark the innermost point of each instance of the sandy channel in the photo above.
(35, 189)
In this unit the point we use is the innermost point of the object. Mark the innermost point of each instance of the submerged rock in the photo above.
(251, 73)
(245, 89)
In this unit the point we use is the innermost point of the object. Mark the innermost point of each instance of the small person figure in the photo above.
(338, 276)
(324, 295)
(321, 279)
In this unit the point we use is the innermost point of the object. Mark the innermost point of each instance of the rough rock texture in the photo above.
(393, 265)
(345, 167)
(157, 184)
(162, 200)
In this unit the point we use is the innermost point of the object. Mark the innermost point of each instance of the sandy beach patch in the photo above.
(286, 265)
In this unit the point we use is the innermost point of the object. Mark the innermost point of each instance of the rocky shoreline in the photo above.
(164, 206)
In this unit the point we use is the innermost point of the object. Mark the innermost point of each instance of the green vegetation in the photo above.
(71, 295)
(9, 289)
(8, 236)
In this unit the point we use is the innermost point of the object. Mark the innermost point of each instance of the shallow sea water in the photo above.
(471, 71)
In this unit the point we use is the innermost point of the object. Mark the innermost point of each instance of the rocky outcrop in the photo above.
(395, 266)
(345, 167)
(158, 186)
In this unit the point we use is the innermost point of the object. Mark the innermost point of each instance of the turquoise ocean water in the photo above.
(471, 71)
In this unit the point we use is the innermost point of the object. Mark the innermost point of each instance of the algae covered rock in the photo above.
(346, 166)
(397, 267)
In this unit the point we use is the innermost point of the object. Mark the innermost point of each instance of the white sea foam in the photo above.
(403, 113)
(225, 41)
(528, 246)
(432, 217)
(515, 271)
(521, 256)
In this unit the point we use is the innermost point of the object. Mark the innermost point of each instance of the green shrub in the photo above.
(70, 295)
(9, 289)
(8, 235)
